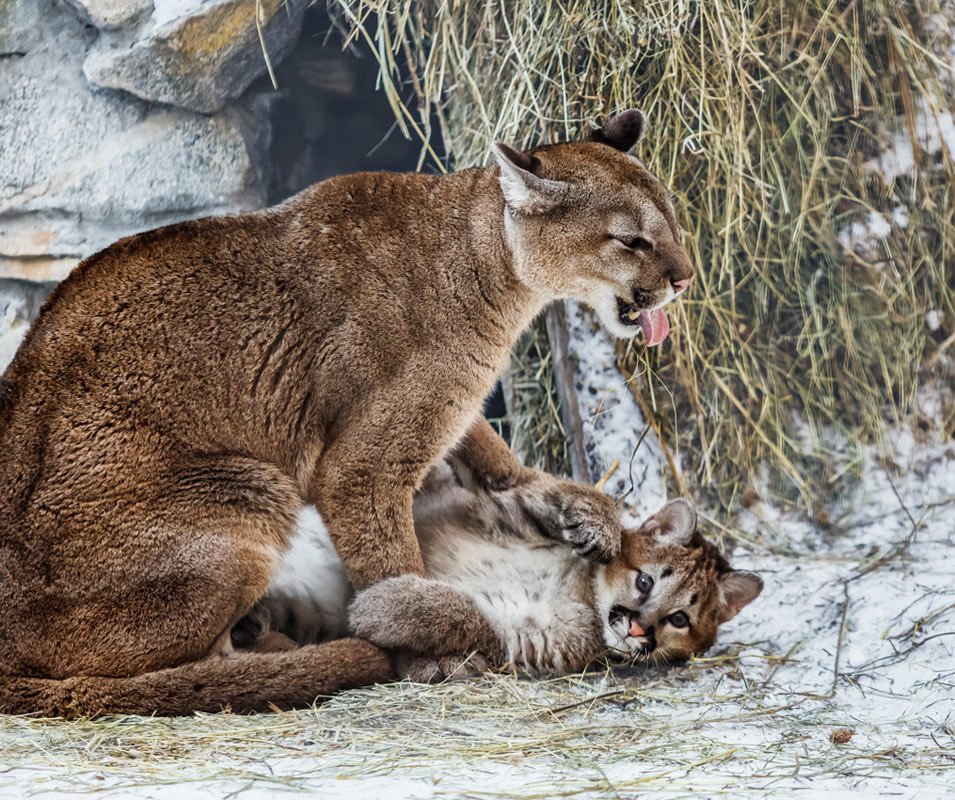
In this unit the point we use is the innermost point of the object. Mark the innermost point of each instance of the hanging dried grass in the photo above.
(772, 123)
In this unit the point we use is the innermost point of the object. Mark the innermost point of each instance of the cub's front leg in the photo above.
(575, 513)
(570, 512)
(489, 458)
(426, 617)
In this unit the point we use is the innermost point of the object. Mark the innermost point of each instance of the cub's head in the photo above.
(669, 589)
(587, 221)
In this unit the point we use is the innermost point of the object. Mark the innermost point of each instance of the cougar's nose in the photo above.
(679, 286)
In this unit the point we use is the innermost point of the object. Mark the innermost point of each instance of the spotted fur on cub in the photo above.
(508, 580)
(533, 601)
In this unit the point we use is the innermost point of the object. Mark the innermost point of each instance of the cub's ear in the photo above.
(674, 524)
(623, 131)
(738, 589)
(524, 190)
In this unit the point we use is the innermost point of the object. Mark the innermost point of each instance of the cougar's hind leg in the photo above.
(198, 553)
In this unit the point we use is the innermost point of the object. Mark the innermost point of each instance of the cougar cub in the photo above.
(528, 597)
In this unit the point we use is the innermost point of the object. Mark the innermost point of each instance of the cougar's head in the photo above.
(587, 221)
(667, 592)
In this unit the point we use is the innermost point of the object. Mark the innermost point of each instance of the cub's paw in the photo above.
(379, 614)
(426, 669)
(588, 519)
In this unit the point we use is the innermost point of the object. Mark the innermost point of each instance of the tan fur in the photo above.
(530, 600)
(185, 391)
(277, 678)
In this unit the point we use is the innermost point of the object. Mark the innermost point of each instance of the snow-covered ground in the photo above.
(839, 681)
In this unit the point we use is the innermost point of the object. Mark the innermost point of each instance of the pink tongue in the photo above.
(655, 326)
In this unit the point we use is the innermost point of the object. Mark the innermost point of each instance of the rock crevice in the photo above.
(118, 116)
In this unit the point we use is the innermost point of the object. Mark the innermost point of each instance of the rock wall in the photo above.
(122, 115)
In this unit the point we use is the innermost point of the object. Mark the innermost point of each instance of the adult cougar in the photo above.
(187, 390)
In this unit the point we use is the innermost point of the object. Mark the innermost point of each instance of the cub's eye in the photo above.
(679, 619)
(635, 242)
(644, 583)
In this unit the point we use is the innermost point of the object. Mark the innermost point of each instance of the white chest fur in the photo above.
(310, 591)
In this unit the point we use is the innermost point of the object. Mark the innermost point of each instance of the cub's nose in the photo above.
(679, 286)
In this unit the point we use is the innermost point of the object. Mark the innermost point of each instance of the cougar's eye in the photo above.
(635, 242)
(644, 583)
(679, 619)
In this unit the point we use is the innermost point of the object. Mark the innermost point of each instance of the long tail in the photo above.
(243, 682)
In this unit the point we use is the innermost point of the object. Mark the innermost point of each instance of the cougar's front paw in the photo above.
(589, 520)
(426, 616)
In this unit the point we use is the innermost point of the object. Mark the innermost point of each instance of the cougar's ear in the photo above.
(525, 192)
(738, 589)
(674, 524)
(622, 131)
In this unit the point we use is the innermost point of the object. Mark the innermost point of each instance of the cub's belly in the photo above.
(533, 596)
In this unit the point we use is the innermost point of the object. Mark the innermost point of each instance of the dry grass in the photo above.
(680, 732)
(534, 416)
(857, 640)
(767, 120)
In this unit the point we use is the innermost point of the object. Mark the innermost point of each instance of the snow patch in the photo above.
(888, 570)
(900, 217)
(934, 129)
(613, 421)
(863, 236)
